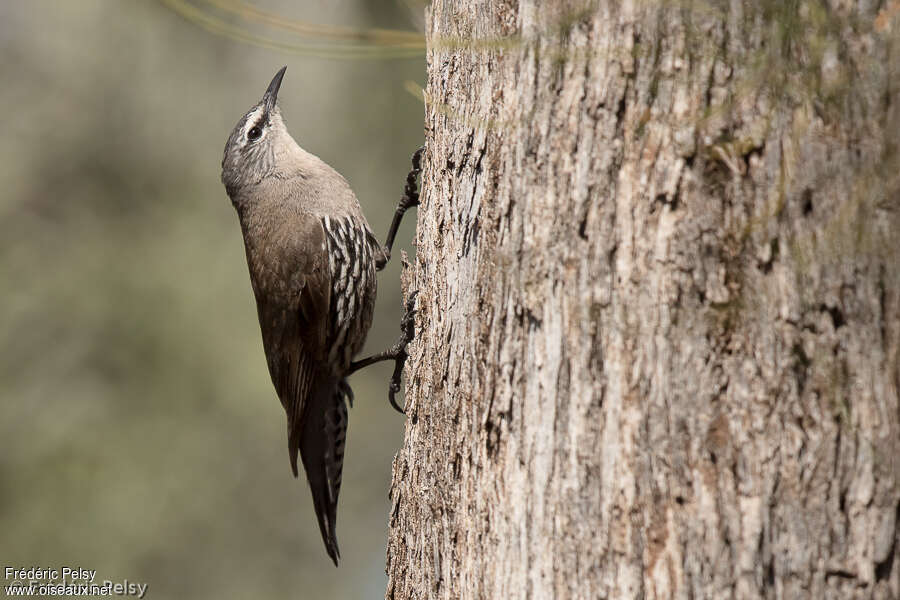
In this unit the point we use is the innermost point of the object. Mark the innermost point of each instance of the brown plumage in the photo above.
(312, 257)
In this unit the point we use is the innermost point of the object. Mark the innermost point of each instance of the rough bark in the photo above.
(659, 305)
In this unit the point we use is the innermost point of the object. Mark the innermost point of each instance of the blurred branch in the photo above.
(379, 37)
(380, 43)
(415, 90)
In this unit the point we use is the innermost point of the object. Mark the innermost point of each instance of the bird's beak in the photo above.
(271, 94)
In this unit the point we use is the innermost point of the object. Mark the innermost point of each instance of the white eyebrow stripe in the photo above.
(252, 117)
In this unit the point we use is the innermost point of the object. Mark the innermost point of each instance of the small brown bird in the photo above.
(312, 260)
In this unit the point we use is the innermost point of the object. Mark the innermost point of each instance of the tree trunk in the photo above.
(659, 305)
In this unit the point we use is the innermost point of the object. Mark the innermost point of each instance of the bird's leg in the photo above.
(397, 352)
(410, 198)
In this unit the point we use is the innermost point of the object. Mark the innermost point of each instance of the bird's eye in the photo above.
(254, 133)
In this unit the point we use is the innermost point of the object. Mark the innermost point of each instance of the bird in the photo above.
(312, 259)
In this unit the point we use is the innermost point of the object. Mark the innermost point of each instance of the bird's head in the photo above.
(251, 150)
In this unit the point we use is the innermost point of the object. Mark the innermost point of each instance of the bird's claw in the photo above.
(411, 190)
(408, 327)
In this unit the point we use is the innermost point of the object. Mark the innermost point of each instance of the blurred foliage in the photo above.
(141, 434)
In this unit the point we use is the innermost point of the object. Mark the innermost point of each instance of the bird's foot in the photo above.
(409, 200)
(398, 350)
(411, 189)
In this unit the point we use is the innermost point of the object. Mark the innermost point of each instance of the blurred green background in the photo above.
(141, 436)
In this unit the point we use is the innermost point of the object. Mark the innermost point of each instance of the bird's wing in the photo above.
(294, 304)
(295, 315)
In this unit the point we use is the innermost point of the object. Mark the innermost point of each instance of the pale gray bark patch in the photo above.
(659, 305)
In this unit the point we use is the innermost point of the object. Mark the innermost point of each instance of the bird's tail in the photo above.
(322, 452)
